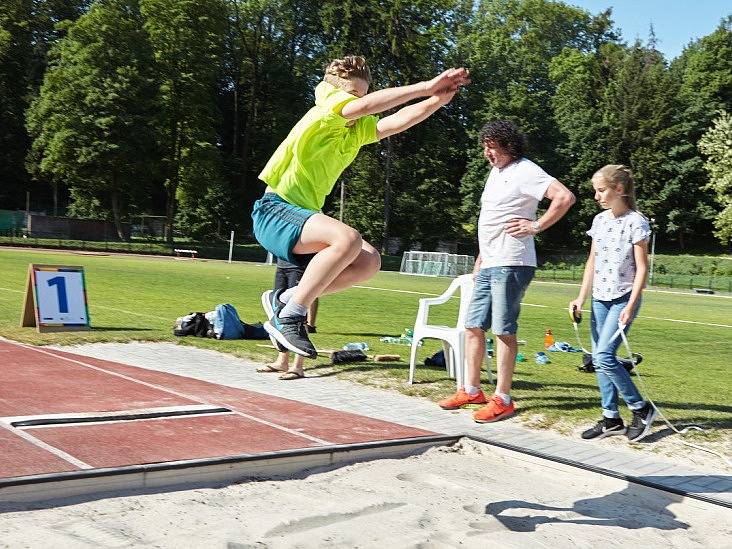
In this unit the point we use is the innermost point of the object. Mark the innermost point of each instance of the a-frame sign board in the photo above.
(55, 299)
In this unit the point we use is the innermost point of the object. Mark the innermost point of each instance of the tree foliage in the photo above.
(716, 144)
(173, 107)
(92, 120)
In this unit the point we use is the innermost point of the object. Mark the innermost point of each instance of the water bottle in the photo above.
(489, 347)
(548, 339)
(359, 346)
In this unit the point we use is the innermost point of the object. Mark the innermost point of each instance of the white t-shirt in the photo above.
(614, 238)
(512, 192)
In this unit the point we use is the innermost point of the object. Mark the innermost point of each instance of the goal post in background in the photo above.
(149, 226)
(436, 264)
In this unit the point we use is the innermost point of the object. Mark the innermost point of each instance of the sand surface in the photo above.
(470, 495)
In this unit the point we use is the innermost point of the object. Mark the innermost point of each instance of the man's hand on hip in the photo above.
(520, 227)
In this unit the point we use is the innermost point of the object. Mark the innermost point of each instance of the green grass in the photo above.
(687, 366)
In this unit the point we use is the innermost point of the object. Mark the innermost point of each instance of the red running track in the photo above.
(36, 381)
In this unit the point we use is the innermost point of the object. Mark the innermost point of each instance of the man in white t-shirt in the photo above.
(507, 260)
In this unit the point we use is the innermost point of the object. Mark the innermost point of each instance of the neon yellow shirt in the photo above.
(307, 164)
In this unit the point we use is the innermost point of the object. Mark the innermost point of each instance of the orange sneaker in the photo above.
(460, 399)
(495, 410)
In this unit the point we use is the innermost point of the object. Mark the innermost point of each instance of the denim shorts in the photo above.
(496, 300)
(278, 226)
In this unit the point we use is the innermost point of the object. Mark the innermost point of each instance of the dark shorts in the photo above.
(278, 226)
(496, 300)
(287, 278)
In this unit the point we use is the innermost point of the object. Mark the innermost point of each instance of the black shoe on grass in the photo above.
(629, 364)
(642, 422)
(606, 427)
(290, 332)
(270, 301)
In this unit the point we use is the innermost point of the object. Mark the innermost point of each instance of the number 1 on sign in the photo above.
(60, 283)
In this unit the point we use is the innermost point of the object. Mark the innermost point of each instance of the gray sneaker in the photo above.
(290, 332)
(269, 301)
(642, 422)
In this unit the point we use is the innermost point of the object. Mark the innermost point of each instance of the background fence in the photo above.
(667, 280)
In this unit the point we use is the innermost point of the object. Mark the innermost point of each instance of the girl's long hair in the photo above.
(618, 174)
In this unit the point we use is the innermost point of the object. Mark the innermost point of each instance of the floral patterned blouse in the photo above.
(614, 238)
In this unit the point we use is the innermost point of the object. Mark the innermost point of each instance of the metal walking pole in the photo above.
(653, 250)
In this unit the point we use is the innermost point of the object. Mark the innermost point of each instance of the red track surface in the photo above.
(36, 381)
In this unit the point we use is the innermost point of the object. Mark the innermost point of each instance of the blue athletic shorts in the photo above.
(278, 226)
(496, 300)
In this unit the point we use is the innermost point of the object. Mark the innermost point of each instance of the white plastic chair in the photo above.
(453, 338)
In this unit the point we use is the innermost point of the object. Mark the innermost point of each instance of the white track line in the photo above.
(47, 447)
(167, 319)
(170, 391)
(547, 306)
(687, 321)
(425, 293)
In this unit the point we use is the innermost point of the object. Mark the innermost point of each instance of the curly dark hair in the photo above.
(507, 135)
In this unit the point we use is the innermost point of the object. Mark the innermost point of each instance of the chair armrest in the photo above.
(435, 300)
(446, 295)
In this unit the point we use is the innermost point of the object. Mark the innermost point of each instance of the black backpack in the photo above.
(588, 367)
(193, 324)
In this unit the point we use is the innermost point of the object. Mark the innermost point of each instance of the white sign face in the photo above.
(60, 297)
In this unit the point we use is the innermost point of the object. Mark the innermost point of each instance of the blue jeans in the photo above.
(496, 300)
(611, 376)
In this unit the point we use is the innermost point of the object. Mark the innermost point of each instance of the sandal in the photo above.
(291, 375)
(269, 369)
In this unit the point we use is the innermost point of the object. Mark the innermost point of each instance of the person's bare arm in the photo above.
(587, 279)
(408, 116)
(476, 267)
(383, 100)
(640, 253)
(561, 200)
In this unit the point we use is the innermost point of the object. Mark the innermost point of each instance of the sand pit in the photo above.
(470, 495)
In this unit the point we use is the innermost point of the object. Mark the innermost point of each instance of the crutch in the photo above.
(621, 332)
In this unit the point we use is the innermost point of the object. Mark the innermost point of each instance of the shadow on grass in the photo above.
(537, 399)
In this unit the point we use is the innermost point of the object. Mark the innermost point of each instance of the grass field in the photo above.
(686, 339)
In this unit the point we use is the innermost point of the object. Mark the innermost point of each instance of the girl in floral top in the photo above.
(616, 272)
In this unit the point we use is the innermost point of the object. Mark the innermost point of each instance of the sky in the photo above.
(675, 22)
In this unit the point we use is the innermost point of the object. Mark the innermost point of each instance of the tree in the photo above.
(412, 173)
(16, 52)
(91, 122)
(187, 42)
(639, 110)
(28, 29)
(268, 72)
(509, 46)
(578, 112)
(716, 144)
(703, 73)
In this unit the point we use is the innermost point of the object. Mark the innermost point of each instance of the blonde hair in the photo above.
(339, 71)
(618, 174)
